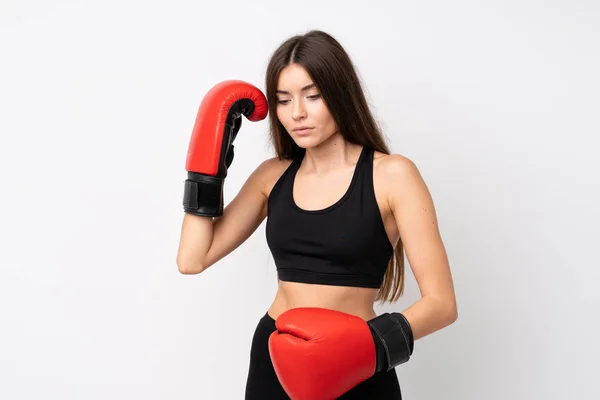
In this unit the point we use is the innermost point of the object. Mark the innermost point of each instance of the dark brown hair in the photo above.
(334, 74)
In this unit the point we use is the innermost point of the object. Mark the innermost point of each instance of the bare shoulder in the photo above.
(268, 172)
(398, 174)
(394, 166)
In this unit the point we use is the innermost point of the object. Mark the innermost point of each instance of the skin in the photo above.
(405, 204)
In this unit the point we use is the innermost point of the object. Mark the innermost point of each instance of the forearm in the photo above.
(429, 314)
(196, 239)
(395, 333)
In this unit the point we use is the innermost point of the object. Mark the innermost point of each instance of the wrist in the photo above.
(393, 339)
(203, 195)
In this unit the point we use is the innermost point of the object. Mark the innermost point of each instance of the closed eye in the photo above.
(313, 97)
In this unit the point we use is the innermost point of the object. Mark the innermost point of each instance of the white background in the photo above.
(497, 102)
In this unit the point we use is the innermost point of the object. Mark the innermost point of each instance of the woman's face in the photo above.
(299, 105)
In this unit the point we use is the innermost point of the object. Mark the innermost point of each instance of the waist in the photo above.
(331, 275)
(356, 301)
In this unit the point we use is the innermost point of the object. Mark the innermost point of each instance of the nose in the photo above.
(298, 110)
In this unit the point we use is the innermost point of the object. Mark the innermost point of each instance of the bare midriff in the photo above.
(351, 300)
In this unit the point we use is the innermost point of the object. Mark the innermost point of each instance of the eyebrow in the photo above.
(305, 88)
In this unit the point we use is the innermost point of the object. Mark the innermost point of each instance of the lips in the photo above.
(302, 130)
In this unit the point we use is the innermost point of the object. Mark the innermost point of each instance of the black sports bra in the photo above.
(344, 244)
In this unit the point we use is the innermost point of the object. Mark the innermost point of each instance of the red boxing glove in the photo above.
(320, 354)
(210, 151)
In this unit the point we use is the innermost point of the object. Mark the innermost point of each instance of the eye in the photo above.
(282, 101)
(314, 97)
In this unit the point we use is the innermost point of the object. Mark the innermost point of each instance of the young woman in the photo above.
(341, 210)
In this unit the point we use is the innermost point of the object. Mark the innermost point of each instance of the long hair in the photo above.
(334, 74)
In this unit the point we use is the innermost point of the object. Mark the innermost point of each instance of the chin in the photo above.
(304, 142)
(307, 142)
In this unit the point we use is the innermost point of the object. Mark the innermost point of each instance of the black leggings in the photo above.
(263, 383)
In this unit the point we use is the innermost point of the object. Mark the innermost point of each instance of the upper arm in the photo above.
(414, 212)
(241, 216)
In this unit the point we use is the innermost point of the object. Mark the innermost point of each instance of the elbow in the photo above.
(187, 267)
(453, 316)
(446, 311)
(452, 313)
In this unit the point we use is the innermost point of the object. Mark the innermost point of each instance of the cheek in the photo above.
(281, 116)
(322, 115)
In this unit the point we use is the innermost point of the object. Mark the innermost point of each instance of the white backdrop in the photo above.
(496, 102)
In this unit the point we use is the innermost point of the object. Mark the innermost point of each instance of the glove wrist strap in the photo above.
(393, 338)
(203, 195)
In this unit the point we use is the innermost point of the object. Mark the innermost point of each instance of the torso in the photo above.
(325, 191)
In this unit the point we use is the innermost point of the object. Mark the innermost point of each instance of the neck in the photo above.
(333, 154)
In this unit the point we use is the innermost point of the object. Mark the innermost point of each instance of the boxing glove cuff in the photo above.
(393, 338)
(203, 195)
